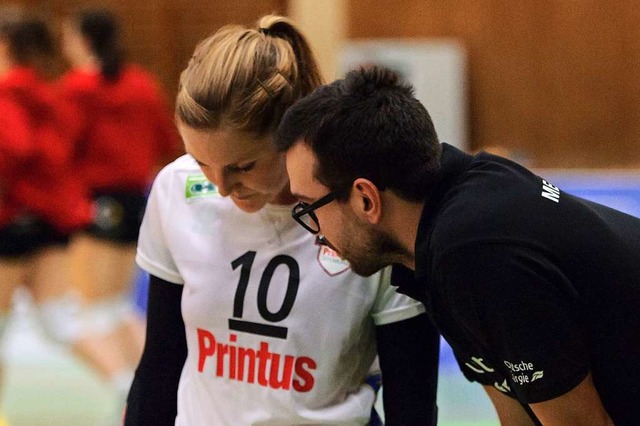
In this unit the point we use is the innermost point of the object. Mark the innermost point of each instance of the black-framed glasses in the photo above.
(304, 213)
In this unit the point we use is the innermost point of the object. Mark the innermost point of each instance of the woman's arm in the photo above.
(408, 351)
(153, 396)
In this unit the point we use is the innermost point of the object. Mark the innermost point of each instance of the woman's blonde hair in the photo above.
(246, 78)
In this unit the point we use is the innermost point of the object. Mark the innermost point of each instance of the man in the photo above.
(537, 291)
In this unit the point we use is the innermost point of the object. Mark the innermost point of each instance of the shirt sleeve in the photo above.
(75, 106)
(521, 317)
(153, 254)
(17, 145)
(152, 399)
(391, 306)
(408, 352)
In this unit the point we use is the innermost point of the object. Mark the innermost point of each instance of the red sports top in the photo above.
(124, 129)
(36, 149)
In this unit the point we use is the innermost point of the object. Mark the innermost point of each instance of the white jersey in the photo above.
(279, 330)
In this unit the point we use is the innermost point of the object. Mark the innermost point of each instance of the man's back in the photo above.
(536, 285)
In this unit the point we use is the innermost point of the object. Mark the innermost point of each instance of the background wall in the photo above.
(557, 80)
(162, 34)
(553, 80)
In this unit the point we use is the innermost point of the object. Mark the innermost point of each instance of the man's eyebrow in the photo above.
(302, 197)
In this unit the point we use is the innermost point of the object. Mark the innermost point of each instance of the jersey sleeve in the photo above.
(523, 316)
(153, 253)
(390, 306)
(75, 104)
(17, 145)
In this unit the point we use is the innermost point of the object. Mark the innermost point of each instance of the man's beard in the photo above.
(369, 250)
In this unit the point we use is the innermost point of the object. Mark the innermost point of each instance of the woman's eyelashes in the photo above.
(242, 169)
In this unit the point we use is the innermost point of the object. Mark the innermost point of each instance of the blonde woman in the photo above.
(250, 319)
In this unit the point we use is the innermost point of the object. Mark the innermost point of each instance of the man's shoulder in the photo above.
(490, 202)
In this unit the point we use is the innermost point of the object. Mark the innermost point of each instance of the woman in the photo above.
(123, 132)
(42, 203)
(250, 321)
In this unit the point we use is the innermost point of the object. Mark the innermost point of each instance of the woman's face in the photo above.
(246, 169)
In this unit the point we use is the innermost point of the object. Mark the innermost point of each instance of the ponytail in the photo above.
(277, 26)
(246, 78)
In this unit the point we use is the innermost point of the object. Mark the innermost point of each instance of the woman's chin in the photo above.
(249, 205)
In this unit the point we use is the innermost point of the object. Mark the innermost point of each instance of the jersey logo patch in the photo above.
(331, 262)
(198, 186)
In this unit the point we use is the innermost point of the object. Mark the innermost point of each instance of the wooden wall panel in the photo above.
(198, 19)
(556, 80)
(161, 34)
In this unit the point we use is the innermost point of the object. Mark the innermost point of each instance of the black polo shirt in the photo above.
(532, 287)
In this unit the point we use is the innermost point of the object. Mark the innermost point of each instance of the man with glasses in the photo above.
(304, 214)
(536, 291)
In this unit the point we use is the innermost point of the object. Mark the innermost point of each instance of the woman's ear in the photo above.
(366, 200)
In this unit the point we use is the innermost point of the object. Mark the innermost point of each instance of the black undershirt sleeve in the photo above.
(408, 351)
(152, 399)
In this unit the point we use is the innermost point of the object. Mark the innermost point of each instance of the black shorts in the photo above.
(118, 216)
(27, 235)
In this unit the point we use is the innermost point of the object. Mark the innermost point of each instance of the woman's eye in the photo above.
(246, 168)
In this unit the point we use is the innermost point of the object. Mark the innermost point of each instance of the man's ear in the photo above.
(366, 201)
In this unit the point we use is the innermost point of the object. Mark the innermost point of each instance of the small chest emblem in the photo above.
(197, 186)
(331, 262)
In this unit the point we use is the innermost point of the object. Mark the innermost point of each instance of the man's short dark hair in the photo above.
(367, 125)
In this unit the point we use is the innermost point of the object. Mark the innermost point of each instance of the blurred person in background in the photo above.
(238, 330)
(123, 133)
(42, 201)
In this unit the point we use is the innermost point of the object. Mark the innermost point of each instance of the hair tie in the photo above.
(265, 88)
(284, 78)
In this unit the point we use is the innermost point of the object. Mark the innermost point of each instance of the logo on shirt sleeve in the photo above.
(522, 372)
(502, 387)
(550, 192)
(478, 365)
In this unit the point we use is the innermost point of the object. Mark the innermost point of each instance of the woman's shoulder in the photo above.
(183, 165)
